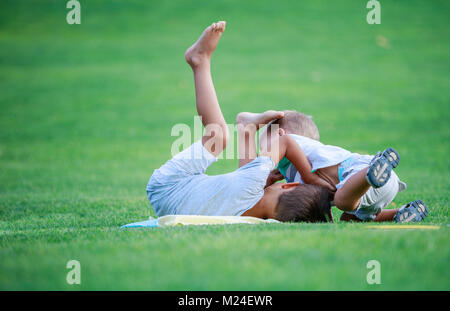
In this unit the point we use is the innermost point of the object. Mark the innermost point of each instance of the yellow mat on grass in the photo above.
(425, 227)
(175, 220)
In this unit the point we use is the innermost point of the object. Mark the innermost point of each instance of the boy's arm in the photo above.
(288, 147)
(274, 176)
(297, 157)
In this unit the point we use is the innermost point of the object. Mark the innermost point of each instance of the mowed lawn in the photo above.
(87, 112)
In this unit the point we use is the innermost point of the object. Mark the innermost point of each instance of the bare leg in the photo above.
(348, 196)
(248, 124)
(199, 58)
(349, 217)
(384, 215)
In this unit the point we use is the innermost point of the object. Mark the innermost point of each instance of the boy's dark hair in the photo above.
(308, 203)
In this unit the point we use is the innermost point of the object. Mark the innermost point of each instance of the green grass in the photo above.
(86, 115)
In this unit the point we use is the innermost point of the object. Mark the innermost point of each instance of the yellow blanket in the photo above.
(175, 220)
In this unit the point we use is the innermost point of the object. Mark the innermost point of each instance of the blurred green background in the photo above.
(86, 115)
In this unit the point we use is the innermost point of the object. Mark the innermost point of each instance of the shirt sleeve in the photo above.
(283, 166)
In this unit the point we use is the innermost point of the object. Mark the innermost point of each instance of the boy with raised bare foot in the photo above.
(181, 186)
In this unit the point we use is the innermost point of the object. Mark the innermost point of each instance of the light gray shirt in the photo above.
(181, 187)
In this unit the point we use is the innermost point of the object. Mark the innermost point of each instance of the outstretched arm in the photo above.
(286, 146)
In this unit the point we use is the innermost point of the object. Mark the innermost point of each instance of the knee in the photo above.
(343, 204)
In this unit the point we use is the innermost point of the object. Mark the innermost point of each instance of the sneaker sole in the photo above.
(392, 156)
(419, 209)
(379, 172)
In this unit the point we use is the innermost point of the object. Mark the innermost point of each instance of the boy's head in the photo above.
(298, 123)
(308, 203)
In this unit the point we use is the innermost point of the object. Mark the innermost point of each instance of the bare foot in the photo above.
(258, 119)
(201, 51)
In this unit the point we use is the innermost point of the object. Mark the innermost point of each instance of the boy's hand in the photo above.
(273, 177)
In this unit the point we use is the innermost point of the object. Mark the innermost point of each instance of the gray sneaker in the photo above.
(414, 211)
(381, 166)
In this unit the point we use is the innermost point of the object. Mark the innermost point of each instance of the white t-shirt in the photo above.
(181, 187)
(318, 154)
